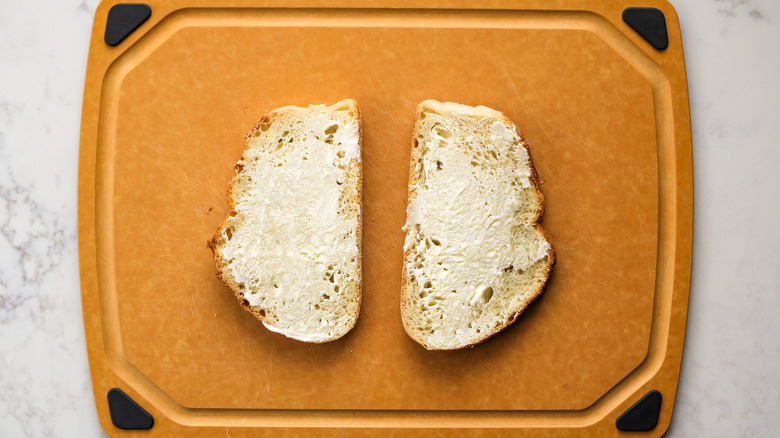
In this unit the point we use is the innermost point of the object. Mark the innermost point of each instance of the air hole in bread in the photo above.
(276, 286)
(436, 242)
(325, 296)
(439, 165)
(265, 123)
(228, 233)
(443, 132)
(332, 129)
(239, 167)
(487, 294)
(317, 307)
(336, 288)
(427, 285)
(260, 312)
(233, 213)
(474, 163)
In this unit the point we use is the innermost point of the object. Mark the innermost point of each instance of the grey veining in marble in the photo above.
(730, 381)
(45, 388)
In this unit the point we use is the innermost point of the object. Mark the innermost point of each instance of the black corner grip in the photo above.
(126, 413)
(650, 24)
(123, 19)
(642, 416)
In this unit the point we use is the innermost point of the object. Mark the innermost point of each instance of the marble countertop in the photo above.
(730, 379)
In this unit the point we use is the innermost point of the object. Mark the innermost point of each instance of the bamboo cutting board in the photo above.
(164, 114)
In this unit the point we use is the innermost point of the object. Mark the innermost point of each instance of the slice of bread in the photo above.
(290, 248)
(475, 255)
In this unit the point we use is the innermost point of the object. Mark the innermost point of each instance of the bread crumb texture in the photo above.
(475, 256)
(290, 248)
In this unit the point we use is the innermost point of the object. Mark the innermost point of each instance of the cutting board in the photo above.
(164, 115)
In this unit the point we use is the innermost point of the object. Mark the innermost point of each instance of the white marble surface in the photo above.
(730, 382)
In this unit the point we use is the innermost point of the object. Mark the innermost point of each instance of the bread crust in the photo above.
(212, 244)
(405, 286)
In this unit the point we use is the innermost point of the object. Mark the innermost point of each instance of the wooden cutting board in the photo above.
(164, 114)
